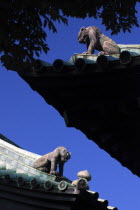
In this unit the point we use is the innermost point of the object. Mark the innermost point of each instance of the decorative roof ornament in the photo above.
(49, 162)
(82, 181)
(84, 174)
(96, 40)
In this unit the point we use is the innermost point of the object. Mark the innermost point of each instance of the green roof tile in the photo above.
(22, 175)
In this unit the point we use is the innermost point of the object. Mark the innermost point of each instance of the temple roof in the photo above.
(98, 95)
(17, 176)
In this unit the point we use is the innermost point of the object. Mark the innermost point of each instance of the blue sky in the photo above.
(29, 121)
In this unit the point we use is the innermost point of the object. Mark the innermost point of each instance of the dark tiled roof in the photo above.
(99, 96)
(18, 178)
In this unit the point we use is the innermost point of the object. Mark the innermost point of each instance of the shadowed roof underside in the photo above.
(99, 96)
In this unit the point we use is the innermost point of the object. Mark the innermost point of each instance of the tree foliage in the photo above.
(119, 15)
(23, 34)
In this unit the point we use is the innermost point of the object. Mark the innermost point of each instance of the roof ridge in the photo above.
(8, 140)
(26, 168)
(17, 150)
